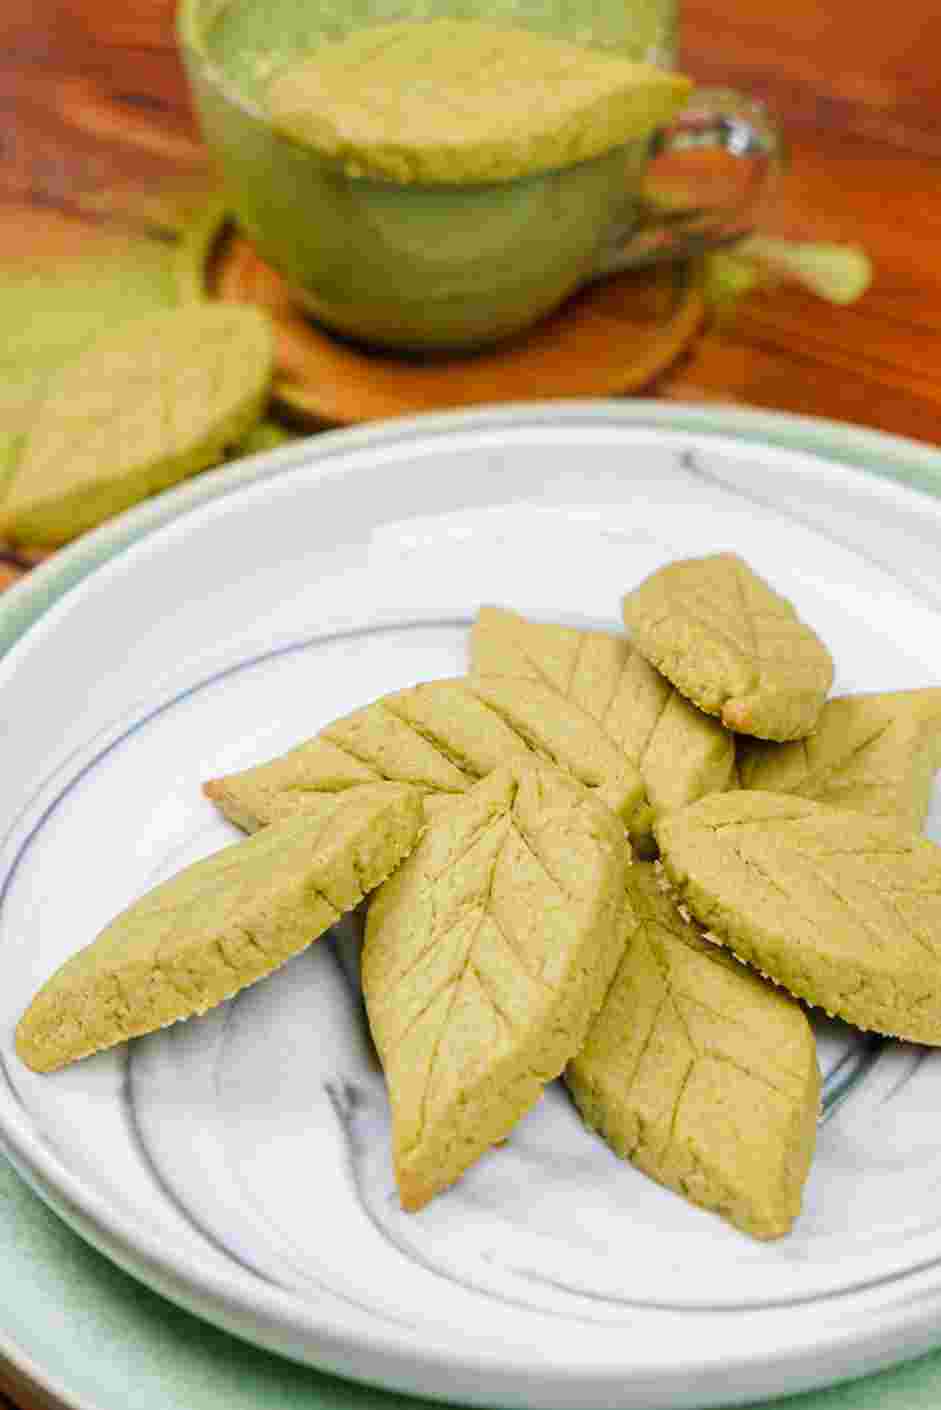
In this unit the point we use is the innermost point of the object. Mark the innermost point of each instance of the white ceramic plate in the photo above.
(239, 1163)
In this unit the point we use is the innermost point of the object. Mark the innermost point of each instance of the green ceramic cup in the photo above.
(429, 268)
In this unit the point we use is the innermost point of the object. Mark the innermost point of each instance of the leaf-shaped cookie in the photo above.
(682, 754)
(486, 956)
(566, 735)
(373, 743)
(455, 100)
(220, 924)
(147, 405)
(871, 753)
(732, 645)
(442, 736)
(700, 1072)
(841, 908)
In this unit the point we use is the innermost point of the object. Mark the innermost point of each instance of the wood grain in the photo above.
(839, 66)
(876, 362)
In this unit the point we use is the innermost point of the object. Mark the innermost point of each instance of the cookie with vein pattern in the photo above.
(732, 645)
(442, 737)
(700, 1072)
(220, 924)
(146, 405)
(871, 753)
(487, 954)
(681, 753)
(842, 909)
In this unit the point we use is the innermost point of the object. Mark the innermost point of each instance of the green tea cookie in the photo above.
(731, 645)
(380, 741)
(681, 753)
(147, 405)
(564, 734)
(487, 954)
(459, 102)
(842, 909)
(871, 753)
(220, 925)
(701, 1073)
(442, 737)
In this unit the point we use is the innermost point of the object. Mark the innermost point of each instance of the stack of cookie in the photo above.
(567, 852)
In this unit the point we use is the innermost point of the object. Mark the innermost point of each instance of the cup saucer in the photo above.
(612, 338)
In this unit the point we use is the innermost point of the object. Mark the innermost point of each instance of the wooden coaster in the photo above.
(611, 338)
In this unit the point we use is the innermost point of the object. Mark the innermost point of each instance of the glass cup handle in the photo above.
(719, 119)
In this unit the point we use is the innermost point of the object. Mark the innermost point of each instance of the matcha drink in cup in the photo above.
(439, 174)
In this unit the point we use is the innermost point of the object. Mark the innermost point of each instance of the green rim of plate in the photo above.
(92, 1336)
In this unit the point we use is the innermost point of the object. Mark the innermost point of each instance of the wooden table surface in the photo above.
(92, 96)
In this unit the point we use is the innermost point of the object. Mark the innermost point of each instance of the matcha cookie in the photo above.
(871, 753)
(220, 925)
(442, 737)
(563, 733)
(681, 753)
(842, 909)
(731, 645)
(147, 405)
(487, 955)
(701, 1073)
(459, 102)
